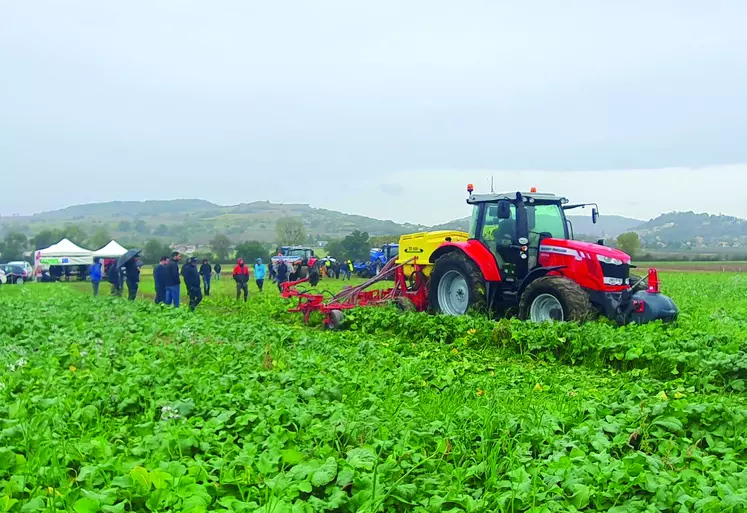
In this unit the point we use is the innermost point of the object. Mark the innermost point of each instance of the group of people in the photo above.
(168, 275)
(335, 269)
(167, 278)
(116, 276)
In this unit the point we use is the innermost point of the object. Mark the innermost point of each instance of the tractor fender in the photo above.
(474, 250)
(535, 273)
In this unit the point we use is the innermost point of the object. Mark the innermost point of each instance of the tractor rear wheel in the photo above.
(554, 299)
(456, 285)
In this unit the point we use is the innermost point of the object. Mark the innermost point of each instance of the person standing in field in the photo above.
(217, 270)
(133, 277)
(282, 274)
(95, 274)
(172, 281)
(159, 277)
(241, 277)
(114, 277)
(192, 282)
(206, 272)
(271, 269)
(259, 274)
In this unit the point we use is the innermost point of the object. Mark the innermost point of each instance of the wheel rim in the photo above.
(546, 308)
(453, 294)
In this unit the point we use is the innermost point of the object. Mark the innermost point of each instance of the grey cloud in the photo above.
(188, 99)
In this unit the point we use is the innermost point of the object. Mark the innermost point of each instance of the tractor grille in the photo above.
(616, 271)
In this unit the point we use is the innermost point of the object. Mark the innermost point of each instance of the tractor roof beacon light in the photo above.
(533, 189)
(654, 286)
(470, 188)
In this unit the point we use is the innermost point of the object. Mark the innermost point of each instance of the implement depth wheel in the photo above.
(554, 299)
(456, 285)
(335, 320)
(404, 304)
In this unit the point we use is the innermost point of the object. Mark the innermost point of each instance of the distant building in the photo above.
(322, 243)
(184, 249)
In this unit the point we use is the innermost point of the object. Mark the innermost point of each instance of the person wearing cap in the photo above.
(192, 282)
(241, 277)
(259, 274)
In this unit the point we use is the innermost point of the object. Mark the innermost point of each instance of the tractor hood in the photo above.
(581, 249)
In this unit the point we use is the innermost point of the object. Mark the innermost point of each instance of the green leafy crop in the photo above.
(112, 406)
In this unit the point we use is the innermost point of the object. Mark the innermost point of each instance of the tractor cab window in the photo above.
(498, 235)
(547, 219)
(300, 252)
(500, 232)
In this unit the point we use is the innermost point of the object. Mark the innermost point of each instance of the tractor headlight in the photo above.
(609, 260)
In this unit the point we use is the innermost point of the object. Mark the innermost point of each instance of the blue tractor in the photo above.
(378, 257)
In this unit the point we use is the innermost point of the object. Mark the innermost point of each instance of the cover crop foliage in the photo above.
(107, 405)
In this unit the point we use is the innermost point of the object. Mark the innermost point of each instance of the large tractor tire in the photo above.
(554, 299)
(456, 285)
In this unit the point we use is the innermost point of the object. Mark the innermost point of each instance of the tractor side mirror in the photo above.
(504, 210)
(594, 215)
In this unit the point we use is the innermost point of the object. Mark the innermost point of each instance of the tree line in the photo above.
(290, 231)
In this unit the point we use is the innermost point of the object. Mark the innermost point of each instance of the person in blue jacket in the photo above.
(259, 274)
(95, 274)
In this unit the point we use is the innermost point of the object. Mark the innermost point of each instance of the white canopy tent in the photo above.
(111, 250)
(64, 252)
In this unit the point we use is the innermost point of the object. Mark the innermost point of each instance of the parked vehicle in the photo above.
(300, 258)
(15, 274)
(26, 267)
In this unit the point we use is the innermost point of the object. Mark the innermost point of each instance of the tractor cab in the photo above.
(390, 251)
(512, 226)
(296, 254)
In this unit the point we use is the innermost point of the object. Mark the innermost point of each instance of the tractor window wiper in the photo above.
(580, 205)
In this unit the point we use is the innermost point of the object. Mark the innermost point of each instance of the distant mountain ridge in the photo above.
(197, 221)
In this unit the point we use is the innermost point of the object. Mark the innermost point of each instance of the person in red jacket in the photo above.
(241, 277)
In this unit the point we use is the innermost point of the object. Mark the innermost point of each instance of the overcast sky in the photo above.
(385, 108)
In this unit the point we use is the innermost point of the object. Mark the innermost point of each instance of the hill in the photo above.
(689, 229)
(197, 221)
(189, 221)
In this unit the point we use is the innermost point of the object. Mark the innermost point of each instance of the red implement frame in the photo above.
(353, 297)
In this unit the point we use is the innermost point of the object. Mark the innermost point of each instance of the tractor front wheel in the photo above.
(554, 299)
(456, 285)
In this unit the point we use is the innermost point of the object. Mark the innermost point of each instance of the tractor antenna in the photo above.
(492, 191)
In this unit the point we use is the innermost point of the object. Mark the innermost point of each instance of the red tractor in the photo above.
(521, 257)
(518, 259)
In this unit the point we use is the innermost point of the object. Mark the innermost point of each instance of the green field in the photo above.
(108, 405)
